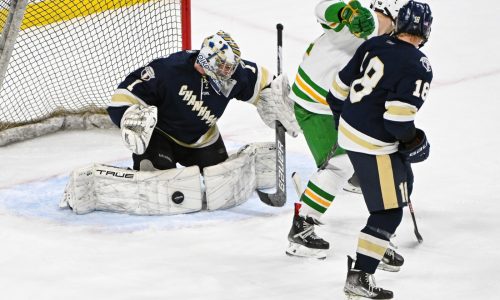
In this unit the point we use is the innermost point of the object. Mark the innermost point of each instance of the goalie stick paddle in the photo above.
(278, 199)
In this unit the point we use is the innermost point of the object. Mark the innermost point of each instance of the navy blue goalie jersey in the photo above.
(188, 106)
(378, 94)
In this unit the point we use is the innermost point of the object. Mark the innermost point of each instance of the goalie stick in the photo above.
(278, 199)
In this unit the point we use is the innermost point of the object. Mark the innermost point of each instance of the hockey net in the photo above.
(68, 56)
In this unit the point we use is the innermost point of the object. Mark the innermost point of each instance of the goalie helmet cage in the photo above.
(60, 60)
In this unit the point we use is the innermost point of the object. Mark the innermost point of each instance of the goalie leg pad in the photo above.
(105, 188)
(231, 183)
(265, 164)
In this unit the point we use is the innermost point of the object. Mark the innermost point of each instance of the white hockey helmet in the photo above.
(219, 56)
(389, 8)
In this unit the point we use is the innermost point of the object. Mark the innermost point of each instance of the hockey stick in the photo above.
(417, 233)
(297, 183)
(410, 206)
(279, 197)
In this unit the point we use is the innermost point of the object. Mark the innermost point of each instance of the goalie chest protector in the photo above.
(187, 104)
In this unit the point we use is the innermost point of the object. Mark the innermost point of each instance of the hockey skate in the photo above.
(352, 185)
(362, 285)
(391, 262)
(303, 241)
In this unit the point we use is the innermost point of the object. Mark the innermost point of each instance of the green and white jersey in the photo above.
(327, 55)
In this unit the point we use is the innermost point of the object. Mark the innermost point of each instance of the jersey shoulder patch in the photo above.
(426, 63)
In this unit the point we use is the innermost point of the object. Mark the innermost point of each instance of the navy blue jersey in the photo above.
(188, 106)
(379, 93)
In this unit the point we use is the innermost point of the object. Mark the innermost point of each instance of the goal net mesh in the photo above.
(70, 55)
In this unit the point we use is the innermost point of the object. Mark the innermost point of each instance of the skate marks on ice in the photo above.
(40, 200)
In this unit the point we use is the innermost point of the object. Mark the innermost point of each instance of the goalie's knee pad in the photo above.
(105, 188)
(265, 164)
(232, 182)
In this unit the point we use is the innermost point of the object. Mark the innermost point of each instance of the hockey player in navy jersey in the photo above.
(375, 98)
(168, 110)
(346, 25)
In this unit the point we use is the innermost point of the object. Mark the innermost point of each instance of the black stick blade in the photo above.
(419, 237)
(276, 200)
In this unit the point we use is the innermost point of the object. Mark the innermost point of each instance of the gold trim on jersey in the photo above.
(339, 89)
(263, 79)
(123, 97)
(400, 111)
(309, 90)
(338, 92)
(371, 246)
(386, 177)
(354, 140)
(205, 140)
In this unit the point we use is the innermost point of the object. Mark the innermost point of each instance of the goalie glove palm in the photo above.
(137, 125)
(274, 104)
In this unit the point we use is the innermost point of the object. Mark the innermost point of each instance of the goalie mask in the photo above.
(219, 57)
(389, 8)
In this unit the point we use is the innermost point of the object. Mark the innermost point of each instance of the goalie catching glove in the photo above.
(137, 125)
(274, 104)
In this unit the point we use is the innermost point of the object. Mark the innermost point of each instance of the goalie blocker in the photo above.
(173, 191)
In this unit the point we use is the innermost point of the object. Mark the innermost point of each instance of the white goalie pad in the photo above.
(232, 182)
(265, 165)
(105, 188)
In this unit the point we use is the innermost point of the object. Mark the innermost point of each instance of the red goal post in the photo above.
(60, 60)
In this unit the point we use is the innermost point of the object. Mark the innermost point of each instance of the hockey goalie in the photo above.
(167, 112)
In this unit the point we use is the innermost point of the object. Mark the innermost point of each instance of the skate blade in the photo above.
(350, 296)
(352, 189)
(388, 268)
(298, 250)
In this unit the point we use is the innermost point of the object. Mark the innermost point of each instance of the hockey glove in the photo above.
(274, 104)
(417, 149)
(137, 125)
(358, 19)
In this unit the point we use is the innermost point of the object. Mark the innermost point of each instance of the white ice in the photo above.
(47, 253)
